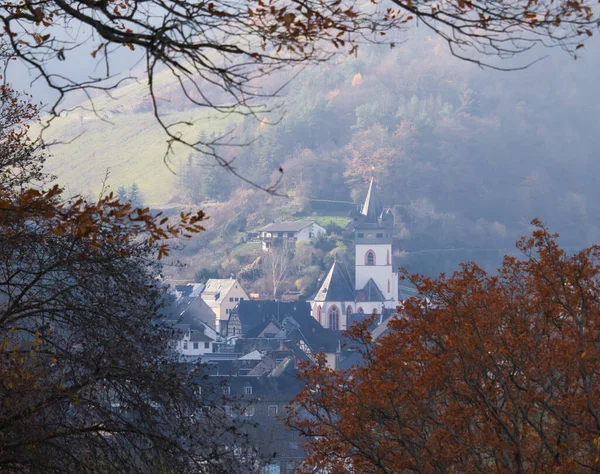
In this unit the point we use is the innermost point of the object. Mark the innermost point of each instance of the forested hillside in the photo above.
(465, 157)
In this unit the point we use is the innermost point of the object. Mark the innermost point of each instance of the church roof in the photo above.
(337, 285)
(371, 292)
(372, 208)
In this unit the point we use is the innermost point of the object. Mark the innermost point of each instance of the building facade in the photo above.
(222, 295)
(286, 234)
(374, 286)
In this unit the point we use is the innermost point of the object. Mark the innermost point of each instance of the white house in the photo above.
(222, 295)
(288, 233)
(196, 342)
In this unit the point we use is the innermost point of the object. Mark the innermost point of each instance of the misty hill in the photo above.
(466, 157)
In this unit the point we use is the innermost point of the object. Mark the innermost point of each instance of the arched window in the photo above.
(319, 314)
(348, 310)
(334, 318)
(360, 311)
(388, 257)
(370, 258)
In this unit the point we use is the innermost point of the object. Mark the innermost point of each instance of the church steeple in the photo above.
(372, 207)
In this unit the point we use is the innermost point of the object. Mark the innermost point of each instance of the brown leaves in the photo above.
(482, 374)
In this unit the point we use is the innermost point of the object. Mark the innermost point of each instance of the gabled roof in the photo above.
(337, 285)
(254, 355)
(254, 313)
(295, 226)
(197, 336)
(371, 292)
(258, 330)
(303, 326)
(372, 207)
(217, 288)
(189, 289)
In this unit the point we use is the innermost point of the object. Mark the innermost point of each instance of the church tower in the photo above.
(373, 249)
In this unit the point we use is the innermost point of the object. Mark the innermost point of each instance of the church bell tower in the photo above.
(373, 248)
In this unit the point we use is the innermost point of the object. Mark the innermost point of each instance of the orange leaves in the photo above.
(487, 374)
(106, 221)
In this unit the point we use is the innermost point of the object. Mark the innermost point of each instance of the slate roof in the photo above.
(216, 289)
(253, 313)
(372, 207)
(295, 226)
(189, 289)
(337, 285)
(257, 330)
(371, 292)
(197, 336)
(319, 339)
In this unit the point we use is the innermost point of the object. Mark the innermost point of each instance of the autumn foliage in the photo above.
(89, 381)
(481, 374)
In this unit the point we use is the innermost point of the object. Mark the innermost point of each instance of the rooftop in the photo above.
(295, 226)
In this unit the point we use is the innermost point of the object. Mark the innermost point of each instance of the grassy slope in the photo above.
(132, 147)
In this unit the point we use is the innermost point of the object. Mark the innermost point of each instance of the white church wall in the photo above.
(381, 272)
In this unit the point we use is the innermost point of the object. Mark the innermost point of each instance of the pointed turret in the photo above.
(372, 208)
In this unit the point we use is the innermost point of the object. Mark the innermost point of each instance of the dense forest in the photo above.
(464, 157)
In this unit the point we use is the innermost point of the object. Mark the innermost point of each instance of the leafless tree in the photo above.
(277, 264)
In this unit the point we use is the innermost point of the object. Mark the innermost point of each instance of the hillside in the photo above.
(466, 158)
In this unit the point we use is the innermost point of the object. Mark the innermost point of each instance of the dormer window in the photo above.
(248, 390)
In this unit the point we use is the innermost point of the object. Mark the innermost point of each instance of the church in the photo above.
(375, 284)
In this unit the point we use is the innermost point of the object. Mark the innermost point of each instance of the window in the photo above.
(230, 299)
(388, 286)
(319, 314)
(272, 410)
(207, 345)
(227, 410)
(226, 311)
(348, 310)
(236, 299)
(195, 345)
(198, 390)
(370, 258)
(279, 234)
(379, 236)
(249, 411)
(185, 346)
(361, 311)
(387, 260)
(241, 299)
(334, 318)
(226, 389)
(248, 390)
(360, 235)
(290, 234)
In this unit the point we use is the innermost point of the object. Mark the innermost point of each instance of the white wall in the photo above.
(181, 347)
(381, 272)
(314, 229)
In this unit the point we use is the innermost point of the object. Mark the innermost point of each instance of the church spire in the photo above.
(372, 208)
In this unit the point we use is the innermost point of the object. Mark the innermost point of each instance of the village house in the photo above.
(286, 234)
(221, 296)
